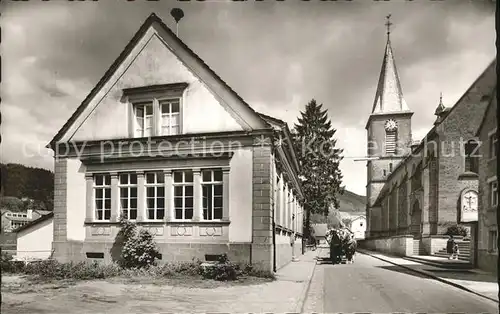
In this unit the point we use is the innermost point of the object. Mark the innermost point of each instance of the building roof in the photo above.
(389, 95)
(34, 222)
(42, 212)
(152, 21)
(320, 230)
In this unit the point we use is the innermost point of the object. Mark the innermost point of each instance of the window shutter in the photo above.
(390, 142)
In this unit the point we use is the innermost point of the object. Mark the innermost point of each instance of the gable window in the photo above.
(128, 195)
(492, 241)
(390, 142)
(183, 194)
(155, 195)
(471, 157)
(102, 197)
(493, 144)
(212, 194)
(170, 116)
(493, 193)
(156, 109)
(143, 119)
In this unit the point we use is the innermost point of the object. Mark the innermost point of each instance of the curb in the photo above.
(299, 307)
(437, 278)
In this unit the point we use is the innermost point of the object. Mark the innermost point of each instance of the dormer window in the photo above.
(156, 110)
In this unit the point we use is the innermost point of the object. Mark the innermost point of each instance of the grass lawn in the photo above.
(20, 294)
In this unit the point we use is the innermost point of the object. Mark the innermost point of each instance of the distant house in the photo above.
(34, 239)
(12, 220)
(320, 233)
(358, 226)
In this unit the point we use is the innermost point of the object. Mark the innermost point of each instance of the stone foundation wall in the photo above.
(487, 261)
(398, 245)
(171, 252)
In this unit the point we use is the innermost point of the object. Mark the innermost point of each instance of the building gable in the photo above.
(156, 56)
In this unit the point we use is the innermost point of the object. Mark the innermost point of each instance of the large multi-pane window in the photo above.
(212, 194)
(143, 119)
(170, 116)
(102, 197)
(128, 195)
(183, 194)
(155, 195)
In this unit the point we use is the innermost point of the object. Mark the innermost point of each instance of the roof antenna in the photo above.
(177, 14)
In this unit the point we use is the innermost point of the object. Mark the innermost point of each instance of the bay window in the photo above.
(183, 194)
(155, 195)
(128, 195)
(212, 187)
(102, 197)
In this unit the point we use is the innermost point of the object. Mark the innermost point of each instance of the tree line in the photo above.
(19, 181)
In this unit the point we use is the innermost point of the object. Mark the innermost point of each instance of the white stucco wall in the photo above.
(240, 196)
(75, 200)
(36, 241)
(151, 63)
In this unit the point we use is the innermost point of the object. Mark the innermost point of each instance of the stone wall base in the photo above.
(397, 245)
(487, 261)
(171, 252)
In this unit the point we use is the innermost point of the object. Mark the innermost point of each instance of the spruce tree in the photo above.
(319, 161)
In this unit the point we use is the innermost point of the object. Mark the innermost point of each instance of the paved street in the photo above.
(371, 285)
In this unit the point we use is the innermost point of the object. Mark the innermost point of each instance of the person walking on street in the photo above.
(450, 247)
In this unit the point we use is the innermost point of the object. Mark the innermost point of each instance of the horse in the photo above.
(350, 247)
(334, 238)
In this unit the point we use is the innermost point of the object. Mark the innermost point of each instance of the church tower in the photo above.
(388, 129)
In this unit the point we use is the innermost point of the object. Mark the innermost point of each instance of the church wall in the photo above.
(459, 126)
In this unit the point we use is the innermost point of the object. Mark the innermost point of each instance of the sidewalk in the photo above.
(472, 280)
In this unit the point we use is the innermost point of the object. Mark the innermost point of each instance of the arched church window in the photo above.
(472, 156)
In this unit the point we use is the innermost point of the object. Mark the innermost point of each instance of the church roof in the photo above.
(389, 95)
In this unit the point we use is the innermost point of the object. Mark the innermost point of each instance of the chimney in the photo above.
(30, 214)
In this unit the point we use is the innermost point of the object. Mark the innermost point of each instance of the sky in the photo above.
(276, 55)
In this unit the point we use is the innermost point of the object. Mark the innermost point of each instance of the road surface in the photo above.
(371, 285)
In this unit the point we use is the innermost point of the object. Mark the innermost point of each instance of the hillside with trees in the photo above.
(19, 181)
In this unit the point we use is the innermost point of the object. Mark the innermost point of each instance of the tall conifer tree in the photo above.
(319, 161)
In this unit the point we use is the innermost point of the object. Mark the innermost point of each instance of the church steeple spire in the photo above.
(389, 95)
(440, 110)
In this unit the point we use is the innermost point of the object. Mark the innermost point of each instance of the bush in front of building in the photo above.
(8, 265)
(456, 230)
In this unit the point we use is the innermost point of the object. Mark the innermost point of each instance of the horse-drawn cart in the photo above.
(342, 246)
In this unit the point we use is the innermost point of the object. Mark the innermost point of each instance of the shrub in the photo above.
(8, 265)
(221, 272)
(139, 250)
(456, 230)
(51, 269)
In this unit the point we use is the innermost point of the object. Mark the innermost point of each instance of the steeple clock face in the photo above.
(391, 125)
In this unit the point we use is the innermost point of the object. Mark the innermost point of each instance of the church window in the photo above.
(390, 142)
(471, 156)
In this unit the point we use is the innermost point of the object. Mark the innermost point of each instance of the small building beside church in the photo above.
(164, 141)
(416, 190)
(487, 254)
